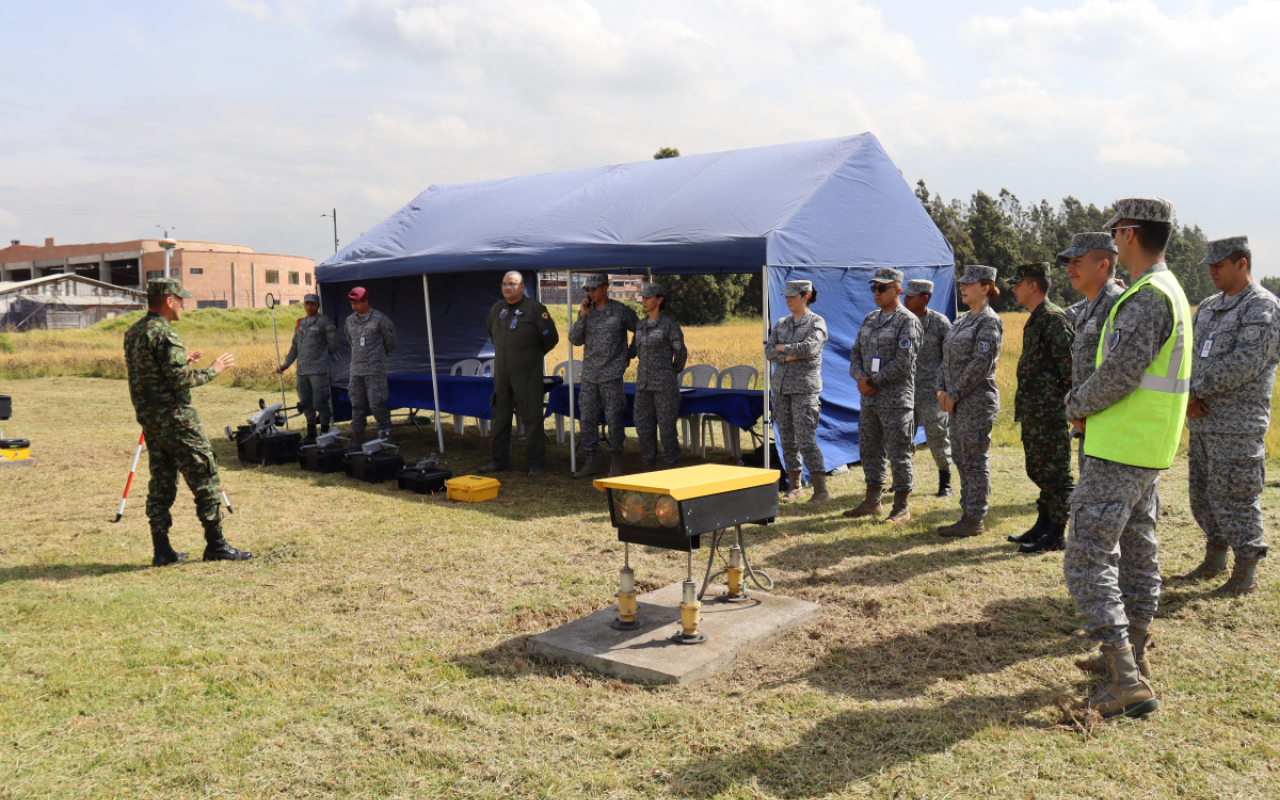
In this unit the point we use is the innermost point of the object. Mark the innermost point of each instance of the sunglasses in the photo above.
(881, 287)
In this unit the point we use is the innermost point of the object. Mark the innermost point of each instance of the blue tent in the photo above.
(830, 211)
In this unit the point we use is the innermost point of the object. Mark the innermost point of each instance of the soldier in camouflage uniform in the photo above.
(937, 424)
(660, 354)
(372, 337)
(315, 338)
(160, 383)
(601, 330)
(966, 389)
(883, 361)
(1044, 378)
(795, 347)
(1237, 347)
(1112, 564)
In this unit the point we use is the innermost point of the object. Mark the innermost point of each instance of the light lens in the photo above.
(633, 508)
(668, 511)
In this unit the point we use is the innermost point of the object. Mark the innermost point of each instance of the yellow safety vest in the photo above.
(1143, 428)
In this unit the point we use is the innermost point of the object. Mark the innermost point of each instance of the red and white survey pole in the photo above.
(133, 468)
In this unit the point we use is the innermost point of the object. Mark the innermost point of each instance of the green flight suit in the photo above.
(522, 334)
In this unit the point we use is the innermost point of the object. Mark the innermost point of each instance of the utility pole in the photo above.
(335, 229)
(168, 245)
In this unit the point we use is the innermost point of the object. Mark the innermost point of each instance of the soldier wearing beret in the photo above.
(1237, 347)
(601, 330)
(934, 328)
(883, 362)
(660, 354)
(160, 384)
(372, 337)
(795, 347)
(1130, 411)
(1044, 378)
(315, 339)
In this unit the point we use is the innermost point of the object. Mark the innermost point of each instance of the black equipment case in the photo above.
(314, 458)
(423, 481)
(278, 447)
(376, 468)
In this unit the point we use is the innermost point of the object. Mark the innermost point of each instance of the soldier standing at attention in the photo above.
(1044, 378)
(160, 383)
(315, 338)
(966, 389)
(372, 337)
(1131, 412)
(795, 348)
(522, 332)
(1237, 347)
(934, 327)
(660, 355)
(884, 363)
(601, 330)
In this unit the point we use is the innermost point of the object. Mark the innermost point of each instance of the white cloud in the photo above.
(1142, 152)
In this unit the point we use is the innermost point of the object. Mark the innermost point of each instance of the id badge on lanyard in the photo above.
(362, 341)
(1206, 348)
(875, 365)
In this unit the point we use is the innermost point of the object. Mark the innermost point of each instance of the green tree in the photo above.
(995, 242)
(667, 152)
(703, 299)
(949, 218)
(1186, 248)
(1271, 285)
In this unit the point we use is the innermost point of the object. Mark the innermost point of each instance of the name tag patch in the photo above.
(1091, 326)
(1206, 348)
(875, 365)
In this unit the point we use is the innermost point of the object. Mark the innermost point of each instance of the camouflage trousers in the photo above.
(368, 393)
(315, 400)
(970, 444)
(607, 397)
(797, 417)
(1046, 445)
(657, 412)
(1227, 471)
(1111, 564)
(937, 428)
(886, 434)
(181, 449)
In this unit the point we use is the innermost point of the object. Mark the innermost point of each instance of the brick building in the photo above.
(219, 275)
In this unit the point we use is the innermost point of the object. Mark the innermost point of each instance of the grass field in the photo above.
(378, 645)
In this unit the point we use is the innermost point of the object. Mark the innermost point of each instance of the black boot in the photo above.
(357, 439)
(216, 547)
(324, 427)
(1033, 535)
(1053, 537)
(164, 552)
(944, 483)
(311, 434)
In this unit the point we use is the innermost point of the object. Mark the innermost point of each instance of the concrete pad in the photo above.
(6, 463)
(649, 654)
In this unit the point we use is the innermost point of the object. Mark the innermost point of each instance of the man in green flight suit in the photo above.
(522, 332)
(160, 383)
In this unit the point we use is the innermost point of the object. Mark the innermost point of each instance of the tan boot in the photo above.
(820, 495)
(899, 513)
(1123, 690)
(1214, 564)
(870, 506)
(591, 467)
(1243, 580)
(1141, 640)
(793, 493)
(615, 464)
(967, 526)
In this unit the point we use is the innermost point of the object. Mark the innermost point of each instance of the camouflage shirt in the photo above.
(969, 355)
(935, 327)
(160, 381)
(660, 354)
(1044, 368)
(1074, 310)
(1089, 324)
(372, 337)
(803, 339)
(1233, 368)
(602, 334)
(314, 340)
(890, 341)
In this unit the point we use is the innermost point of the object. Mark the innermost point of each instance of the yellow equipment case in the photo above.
(472, 488)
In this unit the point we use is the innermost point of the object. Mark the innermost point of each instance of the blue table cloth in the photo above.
(464, 396)
(741, 407)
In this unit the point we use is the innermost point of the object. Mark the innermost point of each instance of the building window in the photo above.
(271, 275)
(294, 302)
(293, 279)
(308, 278)
(211, 304)
(196, 271)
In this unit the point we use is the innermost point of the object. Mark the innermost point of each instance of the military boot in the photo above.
(649, 464)
(1053, 538)
(967, 526)
(311, 434)
(1123, 691)
(899, 512)
(357, 439)
(1214, 564)
(324, 427)
(793, 487)
(870, 505)
(164, 554)
(1140, 639)
(615, 464)
(1243, 580)
(589, 468)
(384, 433)
(216, 547)
(1031, 535)
(944, 483)
(820, 494)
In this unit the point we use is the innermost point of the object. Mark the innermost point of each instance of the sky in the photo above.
(244, 121)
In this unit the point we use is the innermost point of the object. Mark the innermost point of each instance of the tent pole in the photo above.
(764, 312)
(431, 349)
(568, 305)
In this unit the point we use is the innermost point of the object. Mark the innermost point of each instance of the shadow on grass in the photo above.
(65, 572)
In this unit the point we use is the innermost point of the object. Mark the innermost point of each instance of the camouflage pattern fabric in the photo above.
(1046, 448)
(660, 355)
(1216, 250)
(1146, 209)
(1089, 324)
(797, 418)
(603, 336)
(971, 425)
(605, 397)
(1227, 473)
(937, 424)
(886, 434)
(522, 334)
(937, 428)
(1074, 310)
(315, 398)
(372, 337)
(967, 376)
(891, 339)
(368, 395)
(1044, 378)
(657, 412)
(314, 340)
(803, 340)
(160, 383)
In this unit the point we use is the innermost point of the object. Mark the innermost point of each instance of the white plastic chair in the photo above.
(701, 376)
(470, 368)
(739, 377)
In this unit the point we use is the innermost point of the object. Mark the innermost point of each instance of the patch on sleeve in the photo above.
(1114, 341)
(904, 343)
(545, 315)
(984, 347)
(1252, 333)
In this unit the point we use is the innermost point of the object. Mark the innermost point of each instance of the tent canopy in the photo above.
(830, 203)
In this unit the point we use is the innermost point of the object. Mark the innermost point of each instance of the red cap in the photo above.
(358, 294)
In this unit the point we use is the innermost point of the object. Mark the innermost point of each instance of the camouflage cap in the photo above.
(1218, 249)
(797, 288)
(595, 281)
(1144, 209)
(653, 290)
(1083, 243)
(918, 286)
(158, 287)
(887, 275)
(976, 272)
(311, 298)
(1036, 270)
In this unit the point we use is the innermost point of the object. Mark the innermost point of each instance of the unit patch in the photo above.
(984, 347)
(904, 343)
